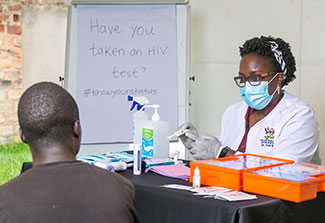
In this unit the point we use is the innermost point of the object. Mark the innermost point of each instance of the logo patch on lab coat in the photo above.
(268, 140)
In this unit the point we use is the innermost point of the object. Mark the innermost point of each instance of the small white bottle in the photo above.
(137, 159)
(154, 136)
(196, 177)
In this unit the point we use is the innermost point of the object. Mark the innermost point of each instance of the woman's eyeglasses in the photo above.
(253, 80)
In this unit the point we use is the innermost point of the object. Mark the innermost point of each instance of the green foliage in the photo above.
(12, 156)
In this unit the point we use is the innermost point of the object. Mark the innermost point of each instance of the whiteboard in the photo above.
(118, 49)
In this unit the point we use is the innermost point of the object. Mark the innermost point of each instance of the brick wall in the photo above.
(10, 68)
(10, 62)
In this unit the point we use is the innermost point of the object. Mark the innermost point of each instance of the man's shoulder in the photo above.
(105, 175)
(70, 184)
(64, 170)
(4, 187)
(13, 183)
(11, 190)
(52, 177)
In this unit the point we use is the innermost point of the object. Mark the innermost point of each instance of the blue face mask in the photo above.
(257, 97)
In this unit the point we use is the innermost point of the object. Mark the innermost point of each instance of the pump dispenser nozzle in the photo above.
(155, 116)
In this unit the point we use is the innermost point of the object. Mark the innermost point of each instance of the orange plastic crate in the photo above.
(295, 182)
(320, 174)
(283, 189)
(228, 172)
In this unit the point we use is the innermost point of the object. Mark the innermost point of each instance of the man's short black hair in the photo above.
(262, 47)
(46, 114)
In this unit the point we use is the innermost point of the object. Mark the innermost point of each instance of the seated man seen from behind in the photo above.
(59, 188)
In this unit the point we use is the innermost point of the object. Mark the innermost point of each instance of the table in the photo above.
(161, 205)
(156, 204)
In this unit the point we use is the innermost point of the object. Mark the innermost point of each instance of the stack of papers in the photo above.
(208, 191)
(235, 196)
(176, 171)
(214, 192)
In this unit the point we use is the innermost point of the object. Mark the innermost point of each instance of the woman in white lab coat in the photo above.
(269, 121)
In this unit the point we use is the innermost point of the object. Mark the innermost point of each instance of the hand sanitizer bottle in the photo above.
(139, 116)
(154, 136)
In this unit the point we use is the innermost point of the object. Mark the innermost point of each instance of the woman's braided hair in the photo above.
(262, 46)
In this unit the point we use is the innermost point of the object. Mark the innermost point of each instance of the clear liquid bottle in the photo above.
(139, 116)
(154, 136)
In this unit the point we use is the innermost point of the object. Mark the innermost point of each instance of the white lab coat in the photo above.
(289, 131)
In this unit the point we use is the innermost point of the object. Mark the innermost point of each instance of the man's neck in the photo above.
(51, 154)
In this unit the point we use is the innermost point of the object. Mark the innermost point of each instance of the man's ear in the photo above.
(22, 137)
(77, 128)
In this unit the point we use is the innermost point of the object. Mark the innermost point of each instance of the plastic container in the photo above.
(196, 178)
(154, 136)
(139, 117)
(228, 172)
(295, 182)
(317, 171)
